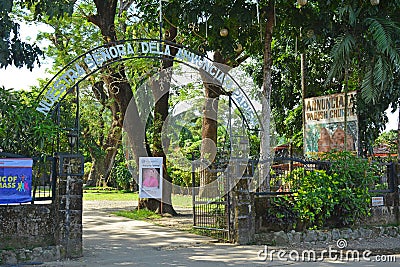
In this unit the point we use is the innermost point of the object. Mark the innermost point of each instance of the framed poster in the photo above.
(15, 180)
(150, 177)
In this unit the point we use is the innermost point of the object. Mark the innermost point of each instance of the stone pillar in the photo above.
(243, 212)
(69, 203)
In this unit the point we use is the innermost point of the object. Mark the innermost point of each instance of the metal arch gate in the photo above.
(215, 210)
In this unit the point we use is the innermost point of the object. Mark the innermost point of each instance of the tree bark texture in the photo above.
(160, 89)
(265, 142)
(119, 96)
(209, 132)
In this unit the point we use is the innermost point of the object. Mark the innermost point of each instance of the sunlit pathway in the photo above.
(115, 241)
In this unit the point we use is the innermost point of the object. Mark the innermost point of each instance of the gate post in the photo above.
(243, 211)
(69, 205)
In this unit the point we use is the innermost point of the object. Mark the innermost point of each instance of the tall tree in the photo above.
(367, 51)
(112, 88)
(223, 29)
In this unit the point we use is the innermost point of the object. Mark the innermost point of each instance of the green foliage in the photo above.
(14, 51)
(49, 8)
(23, 130)
(339, 196)
(389, 139)
(180, 177)
(316, 197)
(87, 168)
(355, 176)
(281, 214)
(120, 174)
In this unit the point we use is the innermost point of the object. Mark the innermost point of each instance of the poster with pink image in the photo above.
(150, 177)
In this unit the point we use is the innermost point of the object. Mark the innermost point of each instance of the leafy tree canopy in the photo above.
(14, 51)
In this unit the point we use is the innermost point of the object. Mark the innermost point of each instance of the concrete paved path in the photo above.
(116, 241)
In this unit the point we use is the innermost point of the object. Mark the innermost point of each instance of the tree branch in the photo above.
(124, 6)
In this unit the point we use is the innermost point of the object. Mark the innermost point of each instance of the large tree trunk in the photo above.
(160, 89)
(212, 90)
(119, 93)
(208, 151)
(265, 145)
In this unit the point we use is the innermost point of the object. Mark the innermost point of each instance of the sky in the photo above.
(22, 78)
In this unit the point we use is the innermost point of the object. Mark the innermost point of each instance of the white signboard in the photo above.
(377, 201)
(330, 108)
(150, 177)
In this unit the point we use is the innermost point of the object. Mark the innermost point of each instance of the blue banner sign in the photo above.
(15, 180)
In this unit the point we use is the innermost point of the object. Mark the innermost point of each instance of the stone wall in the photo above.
(27, 256)
(44, 232)
(24, 230)
(387, 214)
(27, 226)
(282, 238)
(243, 213)
(69, 216)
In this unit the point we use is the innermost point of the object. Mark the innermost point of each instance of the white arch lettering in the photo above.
(95, 59)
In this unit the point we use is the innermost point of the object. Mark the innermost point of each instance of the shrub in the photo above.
(281, 214)
(340, 195)
(316, 197)
(122, 176)
(355, 176)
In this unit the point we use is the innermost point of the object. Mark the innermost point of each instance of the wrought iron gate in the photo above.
(212, 203)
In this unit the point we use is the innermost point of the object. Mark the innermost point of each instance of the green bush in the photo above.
(87, 168)
(281, 214)
(121, 176)
(180, 177)
(337, 197)
(355, 176)
(316, 197)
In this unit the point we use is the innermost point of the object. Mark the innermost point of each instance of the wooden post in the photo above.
(303, 94)
(346, 88)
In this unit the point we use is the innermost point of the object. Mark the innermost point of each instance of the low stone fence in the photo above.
(27, 228)
(386, 214)
(282, 238)
(27, 225)
(33, 256)
(44, 232)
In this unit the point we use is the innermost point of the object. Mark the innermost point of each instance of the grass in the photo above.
(183, 201)
(110, 194)
(142, 214)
